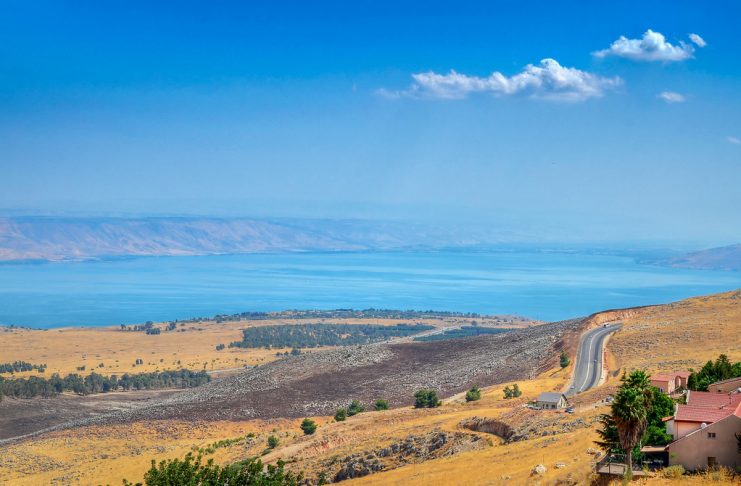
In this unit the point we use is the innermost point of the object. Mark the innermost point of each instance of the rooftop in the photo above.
(713, 400)
(550, 397)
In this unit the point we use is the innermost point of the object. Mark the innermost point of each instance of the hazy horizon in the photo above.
(588, 124)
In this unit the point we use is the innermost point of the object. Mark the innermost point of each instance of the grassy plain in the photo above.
(191, 346)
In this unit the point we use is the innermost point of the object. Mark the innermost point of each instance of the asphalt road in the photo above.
(588, 368)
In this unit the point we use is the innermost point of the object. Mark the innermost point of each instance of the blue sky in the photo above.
(349, 109)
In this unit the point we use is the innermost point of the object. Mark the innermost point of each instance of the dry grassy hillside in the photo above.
(439, 446)
(680, 335)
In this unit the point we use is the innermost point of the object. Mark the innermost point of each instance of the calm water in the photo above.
(542, 285)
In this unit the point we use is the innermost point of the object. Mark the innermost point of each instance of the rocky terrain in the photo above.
(412, 449)
(319, 383)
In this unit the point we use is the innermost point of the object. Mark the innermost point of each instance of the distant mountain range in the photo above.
(722, 258)
(54, 238)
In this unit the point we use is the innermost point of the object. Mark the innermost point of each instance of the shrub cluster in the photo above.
(192, 471)
(426, 399)
(314, 335)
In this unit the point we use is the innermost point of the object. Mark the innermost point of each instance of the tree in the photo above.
(273, 442)
(565, 361)
(381, 404)
(355, 408)
(340, 415)
(308, 426)
(630, 411)
(516, 390)
(473, 394)
(426, 399)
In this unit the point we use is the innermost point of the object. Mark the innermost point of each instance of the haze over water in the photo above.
(542, 285)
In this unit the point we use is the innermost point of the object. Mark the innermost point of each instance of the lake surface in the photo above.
(542, 285)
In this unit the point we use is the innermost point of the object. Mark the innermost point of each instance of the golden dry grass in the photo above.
(192, 346)
(681, 335)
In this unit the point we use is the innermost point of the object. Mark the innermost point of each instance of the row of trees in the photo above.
(721, 369)
(35, 386)
(313, 335)
(20, 366)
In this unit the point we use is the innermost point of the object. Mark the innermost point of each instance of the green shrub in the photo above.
(340, 415)
(355, 408)
(381, 404)
(273, 442)
(564, 358)
(673, 472)
(308, 426)
(473, 394)
(426, 399)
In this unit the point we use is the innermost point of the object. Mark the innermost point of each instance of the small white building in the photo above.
(551, 401)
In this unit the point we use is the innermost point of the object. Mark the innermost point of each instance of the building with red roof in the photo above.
(670, 382)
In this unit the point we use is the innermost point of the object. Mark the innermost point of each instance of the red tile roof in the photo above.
(688, 413)
(713, 400)
(729, 380)
(670, 376)
(708, 407)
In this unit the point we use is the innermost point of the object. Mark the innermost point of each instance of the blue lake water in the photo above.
(547, 286)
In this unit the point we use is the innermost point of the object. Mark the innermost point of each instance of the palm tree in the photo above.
(630, 413)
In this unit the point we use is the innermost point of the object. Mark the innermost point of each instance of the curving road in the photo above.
(588, 368)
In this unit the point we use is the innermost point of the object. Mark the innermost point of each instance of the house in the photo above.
(710, 445)
(669, 382)
(702, 408)
(551, 401)
(732, 385)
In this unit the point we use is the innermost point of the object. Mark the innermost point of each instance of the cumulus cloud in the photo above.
(653, 46)
(734, 140)
(547, 80)
(671, 97)
(699, 41)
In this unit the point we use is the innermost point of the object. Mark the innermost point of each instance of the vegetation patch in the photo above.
(314, 335)
(462, 332)
(21, 366)
(35, 386)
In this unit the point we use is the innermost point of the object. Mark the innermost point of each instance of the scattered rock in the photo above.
(539, 469)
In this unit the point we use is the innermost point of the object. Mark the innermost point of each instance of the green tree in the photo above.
(308, 426)
(507, 392)
(516, 391)
(355, 408)
(473, 394)
(630, 411)
(426, 399)
(340, 415)
(381, 404)
(564, 358)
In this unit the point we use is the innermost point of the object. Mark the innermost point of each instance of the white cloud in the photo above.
(699, 41)
(653, 46)
(548, 80)
(671, 97)
(734, 140)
